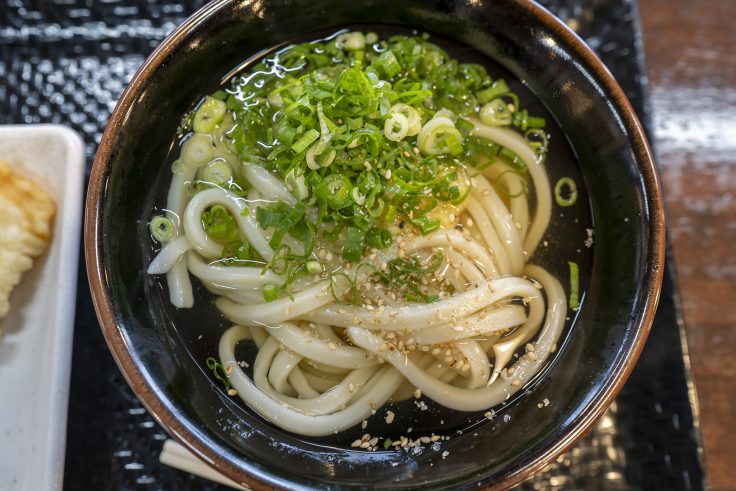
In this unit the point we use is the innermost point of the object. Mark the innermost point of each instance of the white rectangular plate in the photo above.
(35, 352)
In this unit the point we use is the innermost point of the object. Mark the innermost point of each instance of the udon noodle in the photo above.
(342, 339)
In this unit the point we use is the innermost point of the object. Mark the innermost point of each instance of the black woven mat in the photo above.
(67, 61)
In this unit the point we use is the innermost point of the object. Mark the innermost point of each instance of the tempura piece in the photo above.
(26, 220)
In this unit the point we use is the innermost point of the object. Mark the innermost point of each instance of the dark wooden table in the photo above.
(691, 53)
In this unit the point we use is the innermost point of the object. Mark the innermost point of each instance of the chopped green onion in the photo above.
(218, 371)
(355, 123)
(351, 41)
(314, 267)
(377, 208)
(236, 252)
(306, 139)
(574, 285)
(198, 149)
(396, 127)
(219, 224)
(523, 121)
(387, 443)
(411, 114)
(316, 159)
(270, 292)
(426, 225)
(378, 238)
(217, 172)
(352, 250)
(464, 126)
(537, 140)
(162, 229)
(335, 191)
(572, 192)
(498, 88)
(391, 213)
(296, 185)
(275, 99)
(360, 131)
(439, 136)
(496, 113)
(513, 160)
(357, 196)
(388, 63)
(208, 115)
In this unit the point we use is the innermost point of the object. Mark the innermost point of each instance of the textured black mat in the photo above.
(67, 61)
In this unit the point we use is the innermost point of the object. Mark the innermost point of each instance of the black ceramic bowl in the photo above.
(161, 358)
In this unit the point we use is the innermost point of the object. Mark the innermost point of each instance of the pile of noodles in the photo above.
(323, 365)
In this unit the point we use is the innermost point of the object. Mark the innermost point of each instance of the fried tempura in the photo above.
(26, 220)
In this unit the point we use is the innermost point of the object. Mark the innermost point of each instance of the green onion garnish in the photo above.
(162, 229)
(387, 443)
(379, 238)
(352, 250)
(426, 225)
(574, 285)
(498, 88)
(270, 292)
(219, 224)
(208, 115)
(566, 197)
(197, 150)
(335, 191)
(218, 371)
(306, 139)
(496, 113)
(217, 172)
(368, 135)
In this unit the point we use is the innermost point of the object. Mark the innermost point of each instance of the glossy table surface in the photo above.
(691, 54)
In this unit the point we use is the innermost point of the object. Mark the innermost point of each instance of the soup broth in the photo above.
(458, 203)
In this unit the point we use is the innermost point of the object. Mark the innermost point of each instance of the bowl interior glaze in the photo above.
(154, 352)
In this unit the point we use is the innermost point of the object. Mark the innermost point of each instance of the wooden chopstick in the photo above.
(175, 455)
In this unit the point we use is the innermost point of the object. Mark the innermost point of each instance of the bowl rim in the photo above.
(152, 400)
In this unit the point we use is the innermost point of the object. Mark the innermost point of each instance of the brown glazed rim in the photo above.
(152, 400)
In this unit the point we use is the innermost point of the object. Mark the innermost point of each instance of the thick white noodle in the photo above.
(180, 287)
(239, 209)
(322, 365)
(269, 186)
(516, 143)
(168, 255)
